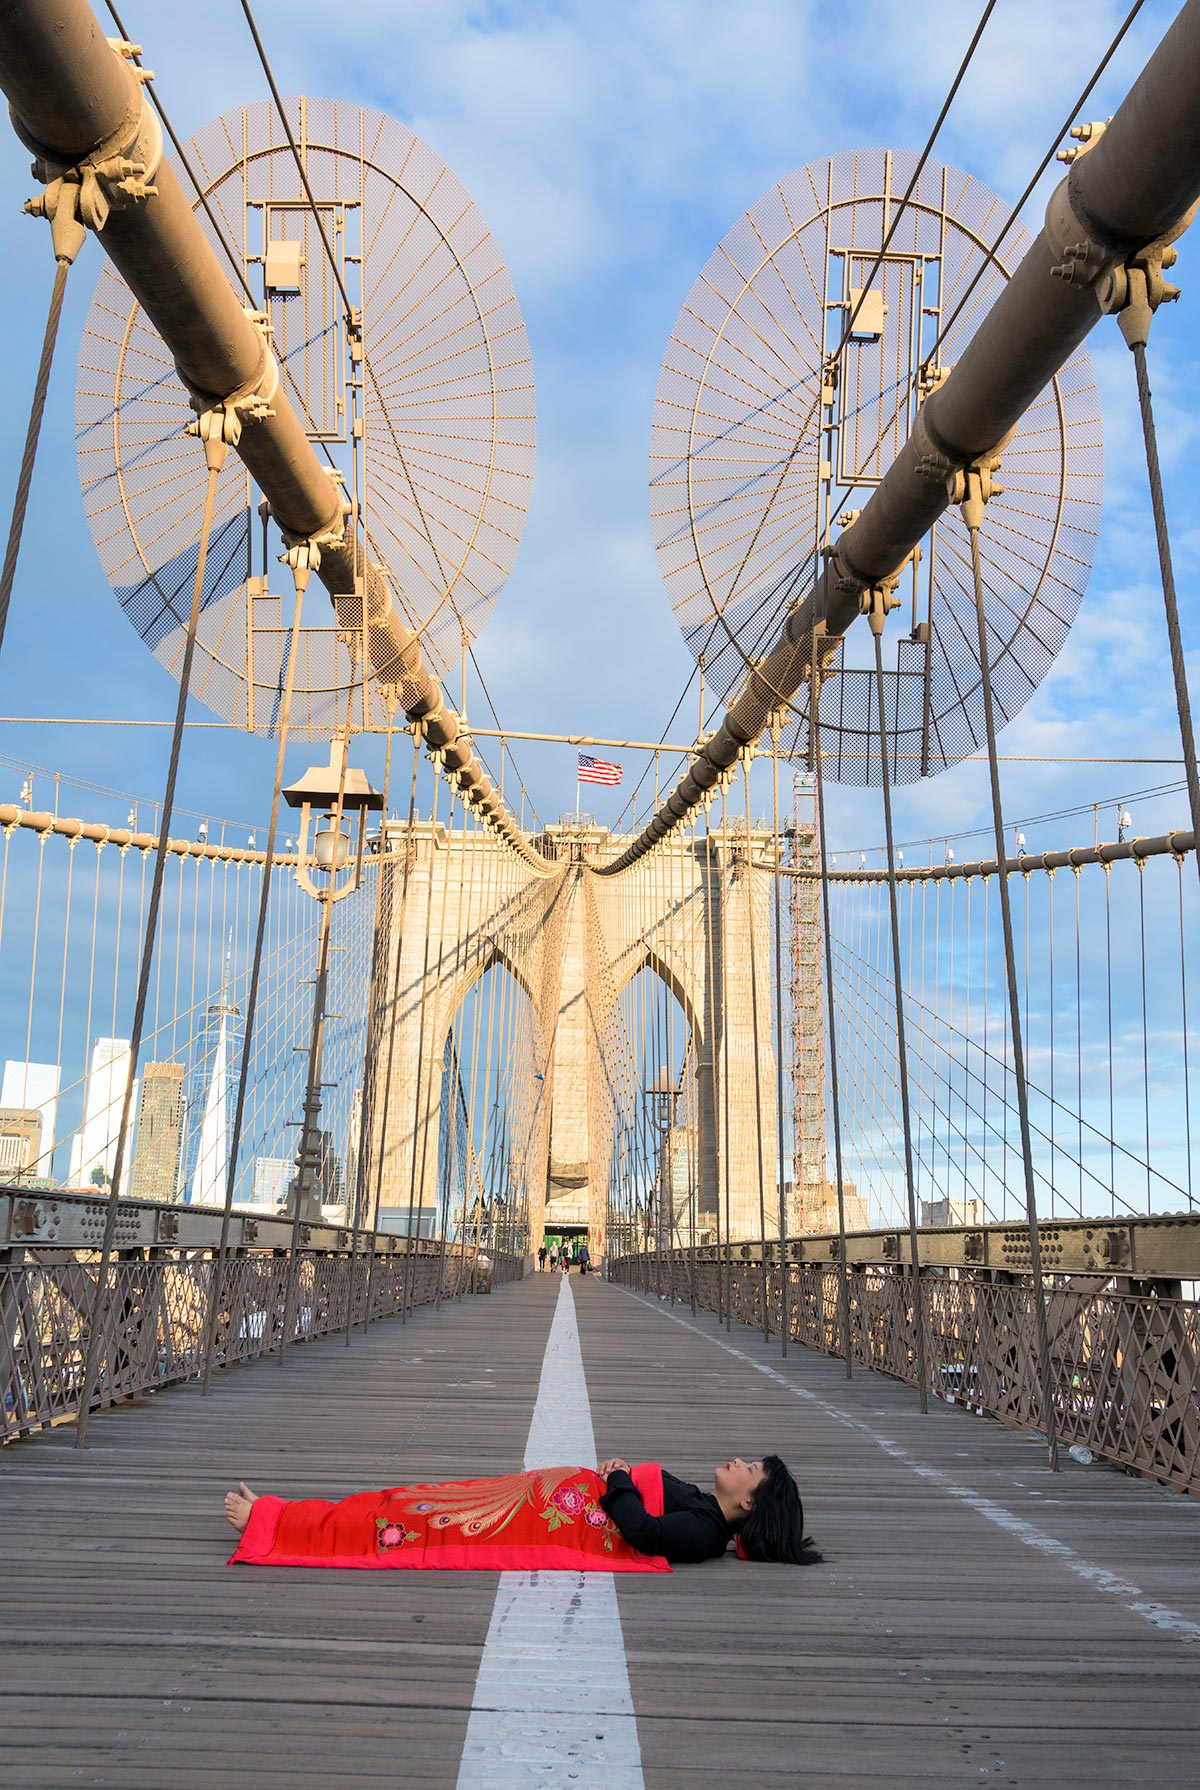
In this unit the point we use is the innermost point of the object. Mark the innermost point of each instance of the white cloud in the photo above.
(610, 148)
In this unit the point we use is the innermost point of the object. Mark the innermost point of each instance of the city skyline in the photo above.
(29, 1086)
(94, 1145)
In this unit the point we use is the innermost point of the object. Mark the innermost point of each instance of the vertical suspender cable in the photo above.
(32, 434)
(316, 1048)
(420, 1093)
(725, 1076)
(918, 1311)
(831, 1029)
(785, 1301)
(972, 511)
(395, 939)
(435, 1062)
(1166, 569)
(370, 1080)
(716, 1079)
(751, 943)
(217, 1287)
(694, 1153)
(214, 455)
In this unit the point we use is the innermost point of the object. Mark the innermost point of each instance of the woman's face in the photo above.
(738, 1479)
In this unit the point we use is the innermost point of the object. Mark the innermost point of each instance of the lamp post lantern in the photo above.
(335, 791)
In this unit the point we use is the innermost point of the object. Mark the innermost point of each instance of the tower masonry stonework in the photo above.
(453, 905)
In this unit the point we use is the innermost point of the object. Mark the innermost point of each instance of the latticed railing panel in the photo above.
(156, 1312)
(1125, 1365)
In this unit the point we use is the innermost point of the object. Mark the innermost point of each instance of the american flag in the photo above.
(597, 770)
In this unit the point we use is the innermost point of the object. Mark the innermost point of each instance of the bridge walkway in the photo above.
(978, 1621)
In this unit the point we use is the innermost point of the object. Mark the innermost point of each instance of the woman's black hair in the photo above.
(774, 1526)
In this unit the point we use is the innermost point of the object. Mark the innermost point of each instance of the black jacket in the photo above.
(692, 1526)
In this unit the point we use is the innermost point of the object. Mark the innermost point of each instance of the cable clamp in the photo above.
(932, 375)
(223, 421)
(121, 46)
(118, 172)
(311, 545)
(59, 203)
(101, 186)
(248, 403)
(1133, 291)
(876, 601)
(1086, 136)
(972, 487)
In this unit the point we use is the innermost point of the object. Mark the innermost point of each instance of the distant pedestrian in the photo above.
(566, 1258)
(585, 1257)
(541, 1257)
(554, 1258)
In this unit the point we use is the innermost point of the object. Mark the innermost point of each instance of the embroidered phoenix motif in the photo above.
(488, 1506)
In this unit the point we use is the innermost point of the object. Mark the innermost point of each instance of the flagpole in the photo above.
(577, 786)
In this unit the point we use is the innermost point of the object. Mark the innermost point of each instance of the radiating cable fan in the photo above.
(440, 463)
(763, 442)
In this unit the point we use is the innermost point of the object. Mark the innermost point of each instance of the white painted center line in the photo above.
(552, 1703)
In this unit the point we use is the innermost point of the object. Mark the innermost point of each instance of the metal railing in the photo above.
(1124, 1357)
(159, 1302)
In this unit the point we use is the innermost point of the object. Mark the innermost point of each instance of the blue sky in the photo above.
(610, 148)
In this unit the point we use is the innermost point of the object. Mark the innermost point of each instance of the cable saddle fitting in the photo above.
(1130, 287)
(221, 416)
(303, 552)
(972, 487)
(1133, 292)
(120, 171)
(876, 601)
(1086, 136)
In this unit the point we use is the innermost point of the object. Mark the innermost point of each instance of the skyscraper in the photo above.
(34, 1087)
(94, 1146)
(159, 1134)
(353, 1146)
(211, 1086)
(20, 1141)
(271, 1177)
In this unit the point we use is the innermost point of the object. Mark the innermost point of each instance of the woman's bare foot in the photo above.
(237, 1505)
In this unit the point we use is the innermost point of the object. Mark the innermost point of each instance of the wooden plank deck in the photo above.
(941, 1644)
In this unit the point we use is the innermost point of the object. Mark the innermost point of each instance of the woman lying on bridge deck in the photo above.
(619, 1519)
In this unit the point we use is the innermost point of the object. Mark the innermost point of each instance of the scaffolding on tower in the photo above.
(810, 1187)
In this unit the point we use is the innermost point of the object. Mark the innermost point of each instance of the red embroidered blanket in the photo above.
(548, 1519)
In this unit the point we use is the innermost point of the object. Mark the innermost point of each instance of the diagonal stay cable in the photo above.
(719, 620)
(299, 161)
(214, 454)
(217, 1288)
(852, 317)
(1014, 216)
(949, 322)
(354, 324)
(235, 262)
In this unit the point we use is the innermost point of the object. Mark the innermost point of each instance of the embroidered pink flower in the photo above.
(388, 1535)
(569, 1499)
(596, 1517)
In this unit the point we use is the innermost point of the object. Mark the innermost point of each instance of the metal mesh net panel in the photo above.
(446, 407)
(756, 449)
